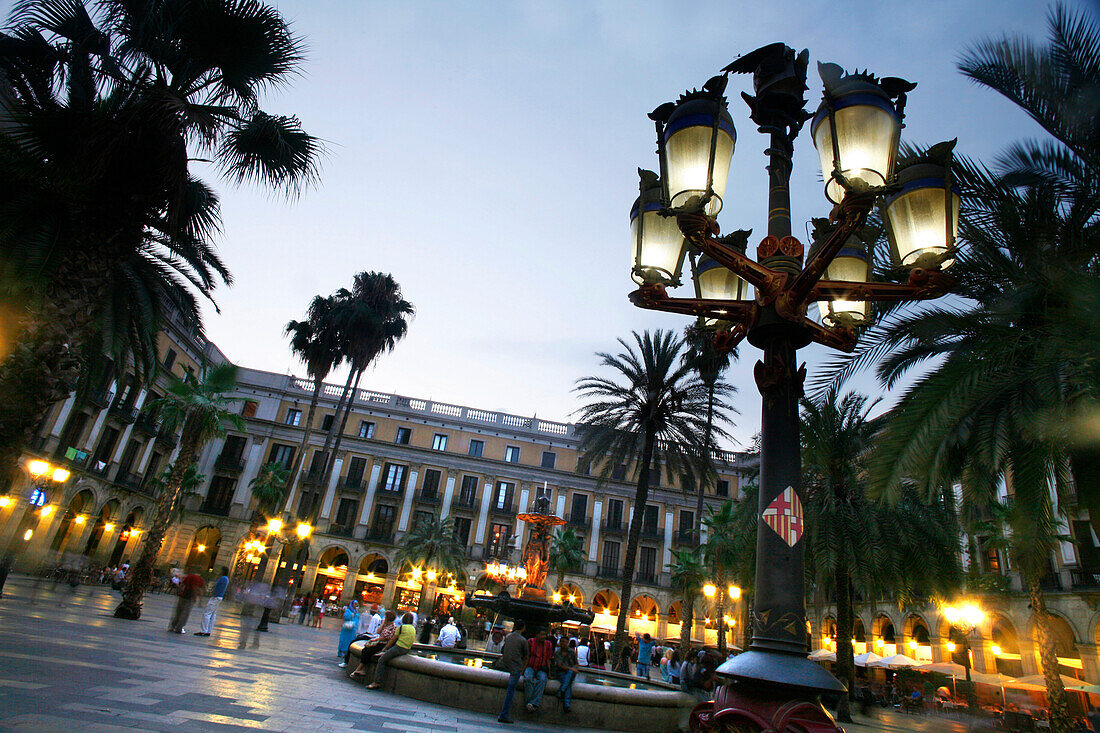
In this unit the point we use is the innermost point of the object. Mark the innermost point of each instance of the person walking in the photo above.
(188, 592)
(347, 632)
(318, 613)
(645, 656)
(210, 615)
(306, 607)
(565, 669)
(5, 569)
(539, 652)
(513, 656)
(399, 645)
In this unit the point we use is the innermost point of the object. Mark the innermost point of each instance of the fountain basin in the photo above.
(449, 680)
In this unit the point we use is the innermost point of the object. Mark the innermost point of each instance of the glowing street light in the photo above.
(709, 590)
(274, 525)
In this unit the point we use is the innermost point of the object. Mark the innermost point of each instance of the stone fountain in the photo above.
(531, 605)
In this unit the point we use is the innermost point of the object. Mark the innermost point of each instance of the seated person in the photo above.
(375, 646)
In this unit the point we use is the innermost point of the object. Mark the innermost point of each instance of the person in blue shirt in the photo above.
(210, 615)
(645, 655)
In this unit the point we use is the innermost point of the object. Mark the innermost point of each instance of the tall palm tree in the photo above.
(103, 225)
(431, 544)
(721, 556)
(687, 573)
(651, 419)
(567, 553)
(316, 342)
(709, 361)
(200, 405)
(371, 319)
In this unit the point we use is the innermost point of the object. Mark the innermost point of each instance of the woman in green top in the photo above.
(400, 644)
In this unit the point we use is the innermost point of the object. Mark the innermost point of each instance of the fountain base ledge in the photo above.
(482, 690)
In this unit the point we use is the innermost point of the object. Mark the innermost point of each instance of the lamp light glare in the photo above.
(37, 467)
(61, 475)
(951, 646)
(46, 510)
(28, 534)
(304, 530)
(80, 519)
(734, 592)
(274, 525)
(108, 527)
(5, 501)
(996, 650)
(709, 590)
(200, 548)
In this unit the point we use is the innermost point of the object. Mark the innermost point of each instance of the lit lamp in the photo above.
(36, 468)
(923, 217)
(696, 147)
(108, 527)
(200, 548)
(80, 519)
(709, 590)
(996, 649)
(274, 525)
(852, 264)
(46, 511)
(714, 282)
(5, 501)
(304, 530)
(431, 576)
(856, 130)
(951, 647)
(61, 475)
(913, 644)
(557, 597)
(734, 592)
(656, 242)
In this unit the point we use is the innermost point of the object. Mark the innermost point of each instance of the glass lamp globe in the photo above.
(699, 138)
(657, 245)
(921, 233)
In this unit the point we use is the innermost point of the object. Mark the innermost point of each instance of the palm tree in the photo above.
(103, 226)
(721, 558)
(708, 361)
(201, 407)
(653, 419)
(269, 488)
(688, 573)
(567, 553)
(431, 544)
(370, 319)
(316, 342)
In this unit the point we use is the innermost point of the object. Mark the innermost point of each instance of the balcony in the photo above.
(609, 573)
(351, 483)
(340, 530)
(100, 397)
(167, 437)
(508, 510)
(215, 509)
(651, 532)
(578, 521)
(134, 482)
(311, 478)
(1085, 579)
(381, 536)
(685, 538)
(229, 463)
(75, 457)
(428, 497)
(465, 501)
(645, 578)
(147, 424)
(613, 526)
(126, 413)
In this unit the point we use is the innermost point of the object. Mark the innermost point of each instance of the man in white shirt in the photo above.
(369, 622)
(582, 653)
(449, 634)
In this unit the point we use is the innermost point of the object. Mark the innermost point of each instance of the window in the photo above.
(619, 472)
(309, 502)
(468, 495)
(169, 359)
(584, 468)
(403, 436)
(549, 459)
(462, 530)
(439, 442)
(610, 555)
(615, 513)
(153, 467)
(579, 510)
(431, 482)
(421, 517)
(105, 449)
(498, 540)
(326, 422)
(219, 495)
(356, 467)
(511, 454)
(382, 527)
(128, 457)
(649, 519)
(393, 478)
(503, 497)
(476, 448)
(722, 488)
(647, 563)
(293, 416)
(317, 465)
(345, 513)
(282, 454)
(248, 409)
(687, 521)
(233, 449)
(366, 429)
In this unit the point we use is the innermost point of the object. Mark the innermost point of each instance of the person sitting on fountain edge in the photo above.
(540, 651)
(513, 655)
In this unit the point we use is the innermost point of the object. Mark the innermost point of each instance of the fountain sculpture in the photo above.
(531, 605)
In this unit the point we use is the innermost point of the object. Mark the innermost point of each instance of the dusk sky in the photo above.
(485, 155)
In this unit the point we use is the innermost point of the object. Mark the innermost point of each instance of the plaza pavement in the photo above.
(66, 664)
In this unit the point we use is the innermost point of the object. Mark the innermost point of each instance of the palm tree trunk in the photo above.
(702, 481)
(1060, 719)
(331, 462)
(636, 517)
(720, 616)
(845, 623)
(296, 469)
(688, 606)
(142, 575)
(331, 433)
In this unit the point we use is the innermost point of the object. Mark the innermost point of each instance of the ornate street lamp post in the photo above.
(275, 529)
(963, 619)
(856, 130)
